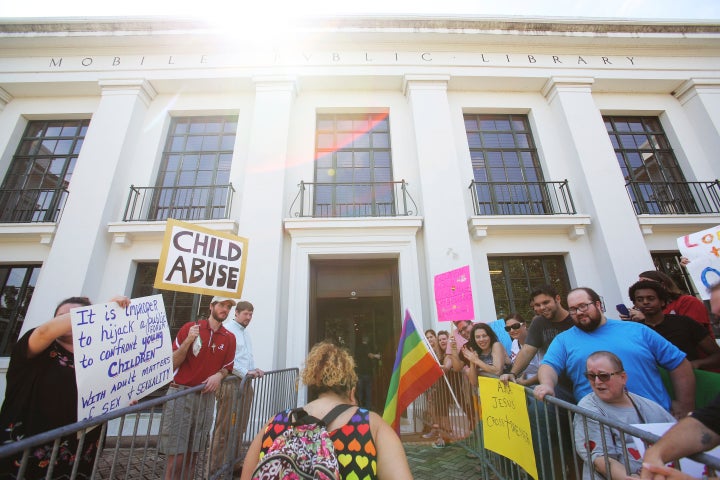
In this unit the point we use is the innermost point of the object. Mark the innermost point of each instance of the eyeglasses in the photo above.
(514, 326)
(583, 307)
(604, 377)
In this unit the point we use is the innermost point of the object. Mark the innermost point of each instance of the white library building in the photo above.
(360, 157)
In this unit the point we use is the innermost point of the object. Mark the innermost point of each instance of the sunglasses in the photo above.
(604, 377)
(514, 326)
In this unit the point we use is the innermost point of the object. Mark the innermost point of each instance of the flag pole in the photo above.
(432, 352)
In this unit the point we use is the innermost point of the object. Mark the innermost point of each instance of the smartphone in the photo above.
(622, 309)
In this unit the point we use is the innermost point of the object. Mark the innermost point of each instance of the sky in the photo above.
(615, 9)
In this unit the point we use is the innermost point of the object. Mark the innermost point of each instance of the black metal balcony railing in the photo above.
(353, 199)
(181, 203)
(32, 205)
(522, 198)
(674, 198)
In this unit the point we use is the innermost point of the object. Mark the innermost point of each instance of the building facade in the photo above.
(360, 157)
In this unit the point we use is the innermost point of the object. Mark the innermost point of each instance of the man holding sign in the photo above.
(193, 413)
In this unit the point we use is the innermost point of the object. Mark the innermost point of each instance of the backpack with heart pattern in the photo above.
(303, 451)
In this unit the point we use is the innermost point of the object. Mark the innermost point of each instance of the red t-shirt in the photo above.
(217, 351)
(692, 307)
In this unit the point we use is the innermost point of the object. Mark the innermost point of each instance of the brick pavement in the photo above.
(428, 463)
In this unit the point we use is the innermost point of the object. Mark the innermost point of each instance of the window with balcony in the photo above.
(514, 278)
(353, 167)
(180, 307)
(194, 178)
(17, 284)
(36, 184)
(654, 180)
(507, 175)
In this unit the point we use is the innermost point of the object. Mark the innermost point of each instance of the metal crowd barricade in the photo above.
(128, 444)
(551, 423)
(252, 401)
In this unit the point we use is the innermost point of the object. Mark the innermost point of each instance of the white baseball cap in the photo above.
(222, 300)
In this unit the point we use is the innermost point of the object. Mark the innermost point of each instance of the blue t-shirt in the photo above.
(640, 348)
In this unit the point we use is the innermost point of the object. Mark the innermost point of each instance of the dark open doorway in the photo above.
(352, 299)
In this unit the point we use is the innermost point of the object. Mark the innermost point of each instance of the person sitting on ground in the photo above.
(516, 327)
(41, 395)
(610, 398)
(374, 449)
(484, 354)
(689, 336)
(679, 303)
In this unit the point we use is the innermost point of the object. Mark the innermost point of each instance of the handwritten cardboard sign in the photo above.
(453, 295)
(121, 354)
(703, 251)
(195, 259)
(506, 425)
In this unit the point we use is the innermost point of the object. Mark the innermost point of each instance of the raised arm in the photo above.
(59, 326)
(181, 352)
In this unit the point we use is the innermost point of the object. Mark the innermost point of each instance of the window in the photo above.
(506, 171)
(669, 264)
(17, 284)
(353, 168)
(194, 177)
(657, 185)
(35, 186)
(180, 307)
(514, 278)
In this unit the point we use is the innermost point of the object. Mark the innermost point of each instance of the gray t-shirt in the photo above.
(650, 412)
(542, 331)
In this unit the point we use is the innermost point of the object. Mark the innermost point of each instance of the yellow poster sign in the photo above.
(506, 425)
(196, 259)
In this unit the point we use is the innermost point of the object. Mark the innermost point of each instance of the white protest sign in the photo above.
(195, 259)
(703, 251)
(121, 354)
(690, 467)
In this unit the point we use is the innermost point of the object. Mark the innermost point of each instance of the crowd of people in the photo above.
(610, 367)
(578, 354)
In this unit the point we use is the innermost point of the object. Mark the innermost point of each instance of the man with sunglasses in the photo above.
(516, 328)
(641, 349)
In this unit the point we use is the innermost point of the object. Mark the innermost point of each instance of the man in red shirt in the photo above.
(187, 419)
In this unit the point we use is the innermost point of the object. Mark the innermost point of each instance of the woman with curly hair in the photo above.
(374, 449)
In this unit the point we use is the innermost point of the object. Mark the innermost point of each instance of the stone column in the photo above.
(700, 97)
(620, 252)
(443, 189)
(262, 209)
(98, 192)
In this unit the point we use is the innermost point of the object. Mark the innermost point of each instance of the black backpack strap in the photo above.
(335, 412)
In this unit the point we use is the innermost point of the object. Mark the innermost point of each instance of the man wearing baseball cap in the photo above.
(207, 361)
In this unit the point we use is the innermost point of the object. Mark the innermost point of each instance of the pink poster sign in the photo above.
(453, 295)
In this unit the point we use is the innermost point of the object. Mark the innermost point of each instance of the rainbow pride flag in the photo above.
(415, 371)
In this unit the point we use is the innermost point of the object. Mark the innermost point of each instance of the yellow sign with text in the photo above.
(506, 425)
(196, 259)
